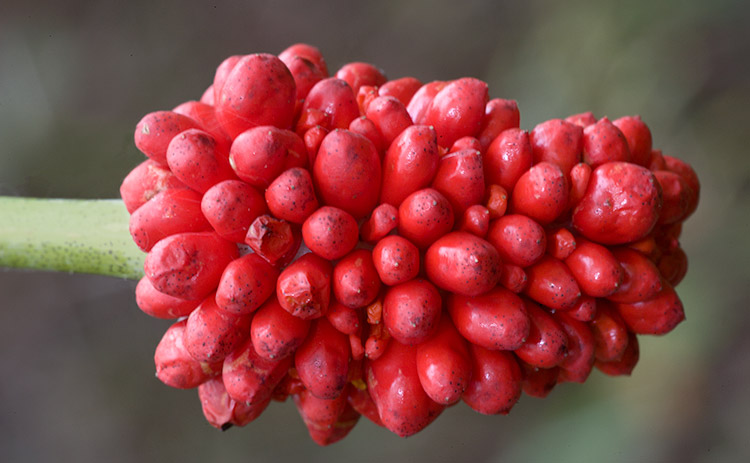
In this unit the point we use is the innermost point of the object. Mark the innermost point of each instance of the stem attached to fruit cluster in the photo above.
(68, 235)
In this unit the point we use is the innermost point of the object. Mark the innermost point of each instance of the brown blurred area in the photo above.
(77, 382)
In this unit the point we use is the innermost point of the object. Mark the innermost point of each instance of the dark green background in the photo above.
(77, 378)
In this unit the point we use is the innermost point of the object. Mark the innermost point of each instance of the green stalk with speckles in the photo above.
(68, 235)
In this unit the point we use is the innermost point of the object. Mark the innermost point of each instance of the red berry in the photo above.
(221, 411)
(160, 305)
(246, 284)
(175, 367)
(275, 333)
(261, 154)
(393, 383)
(596, 270)
(463, 263)
(330, 232)
(250, 378)
(499, 115)
(291, 195)
(518, 239)
(541, 193)
(189, 265)
(507, 158)
(347, 173)
(496, 320)
(495, 383)
(358, 74)
(396, 260)
(230, 207)
(551, 283)
(547, 343)
(424, 216)
(461, 179)
(273, 239)
(411, 311)
(259, 90)
(621, 204)
(355, 279)
(603, 142)
(444, 364)
(403, 89)
(154, 132)
(304, 287)
(322, 361)
(457, 110)
(336, 98)
(557, 142)
(410, 164)
(212, 333)
(144, 182)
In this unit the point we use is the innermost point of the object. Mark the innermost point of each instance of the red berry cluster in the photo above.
(448, 255)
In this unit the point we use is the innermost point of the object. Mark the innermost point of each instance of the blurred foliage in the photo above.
(76, 76)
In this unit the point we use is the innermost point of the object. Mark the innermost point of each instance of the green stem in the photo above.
(68, 235)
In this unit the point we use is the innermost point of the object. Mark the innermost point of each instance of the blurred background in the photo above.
(77, 354)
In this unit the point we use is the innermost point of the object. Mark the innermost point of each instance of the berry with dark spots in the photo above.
(347, 174)
(396, 260)
(250, 378)
(259, 90)
(424, 216)
(641, 279)
(557, 142)
(475, 220)
(541, 193)
(275, 333)
(390, 117)
(322, 361)
(189, 265)
(382, 221)
(330, 232)
(463, 263)
(231, 206)
(551, 283)
(547, 343)
(595, 268)
(212, 333)
(336, 98)
(144, 182)
(410, 164)
(495, 385)
(355, 279)
(304, 287)
(457, 110)
(273, 239)
(156, 130)
(560, 243)
(496, 320)
(499, 116)
(411, 311)
(246, 284)
(175, 367)
(291, 195)
(358, 74)
(422, 99)
(621, 204)
(170, 212)
(518, 239)
(444, 364)
(403, 89)
(625, 364)
(393, 383)
(262, 153)
(507, 157)
(460, 178)
(603, 142)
